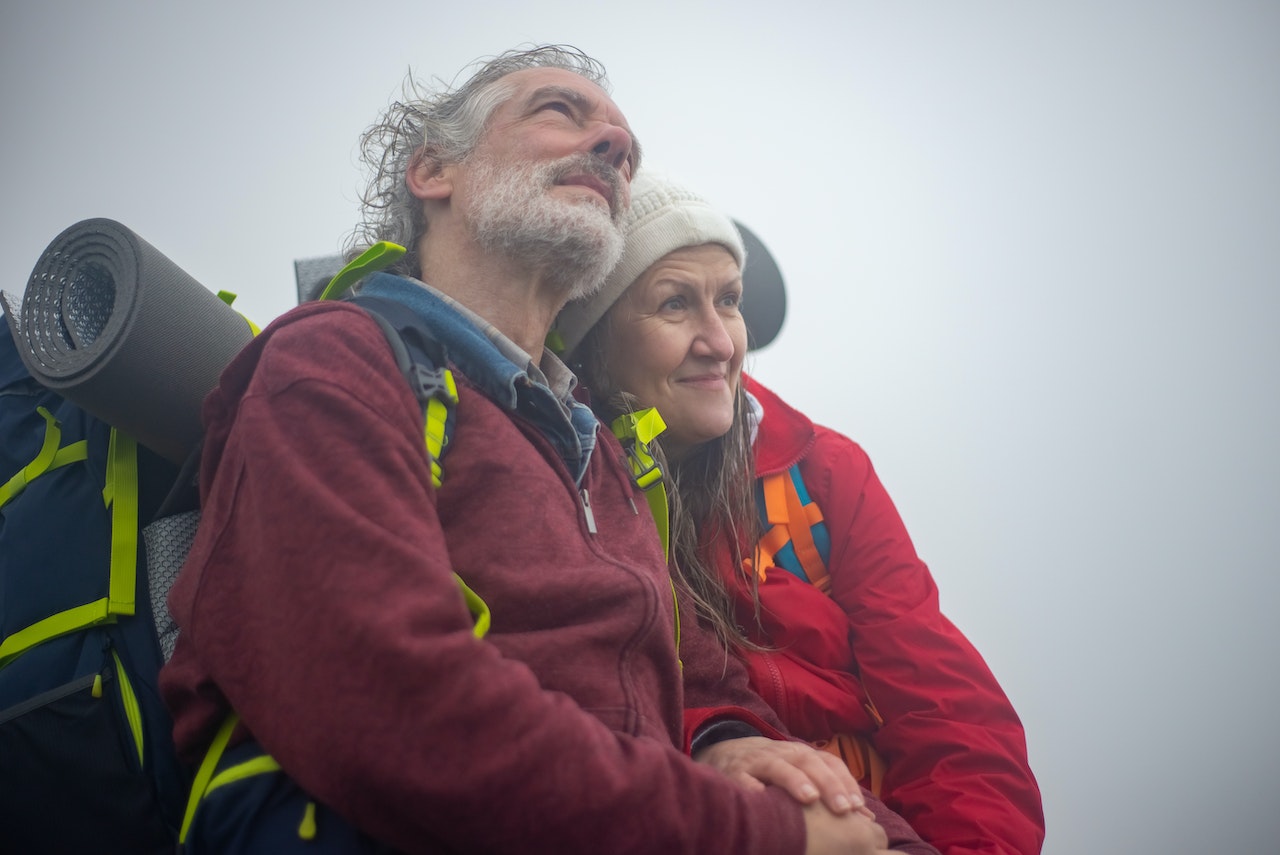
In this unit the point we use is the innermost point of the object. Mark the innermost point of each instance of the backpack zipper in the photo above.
(586, 509)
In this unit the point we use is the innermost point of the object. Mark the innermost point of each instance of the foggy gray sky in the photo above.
(1033, 258)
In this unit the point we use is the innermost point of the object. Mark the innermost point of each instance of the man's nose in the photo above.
(612, 144)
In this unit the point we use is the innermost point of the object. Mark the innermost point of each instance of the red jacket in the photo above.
(955, 749)
(318, 601)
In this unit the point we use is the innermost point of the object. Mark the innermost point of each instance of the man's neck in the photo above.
(520, 302)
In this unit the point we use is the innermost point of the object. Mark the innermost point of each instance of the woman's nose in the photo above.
(713, 339)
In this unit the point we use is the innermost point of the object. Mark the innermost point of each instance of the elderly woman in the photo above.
(836, 616)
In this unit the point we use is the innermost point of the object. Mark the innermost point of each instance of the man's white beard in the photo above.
(579, 243)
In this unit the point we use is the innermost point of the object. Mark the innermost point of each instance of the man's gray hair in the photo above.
(445, 125)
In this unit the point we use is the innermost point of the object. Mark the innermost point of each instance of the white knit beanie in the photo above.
(664, 216)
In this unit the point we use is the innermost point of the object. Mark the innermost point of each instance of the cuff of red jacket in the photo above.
(708, 725)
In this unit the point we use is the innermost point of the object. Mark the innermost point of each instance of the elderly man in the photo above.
(319, 600)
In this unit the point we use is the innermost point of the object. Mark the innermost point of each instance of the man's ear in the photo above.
(427, 178)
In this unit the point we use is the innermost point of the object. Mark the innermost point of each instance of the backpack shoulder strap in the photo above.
(636, 433)
(795, 533)
(423, 361)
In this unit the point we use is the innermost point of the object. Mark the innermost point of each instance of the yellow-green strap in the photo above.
(380, 256)
(434, 427)
(121, 495)
(229, 297)
(206, 781)
(637, 431)
(70, 620)
(132, 711)
(200, 785)
(47, 459)
(261, 765)
(479, 608)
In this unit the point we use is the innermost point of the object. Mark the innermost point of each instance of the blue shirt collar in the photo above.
(484, 356)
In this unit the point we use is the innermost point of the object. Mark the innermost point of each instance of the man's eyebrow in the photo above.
(580, 102)
(564, 93)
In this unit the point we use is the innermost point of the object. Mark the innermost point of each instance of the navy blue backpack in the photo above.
(93, 531)
(87, 763)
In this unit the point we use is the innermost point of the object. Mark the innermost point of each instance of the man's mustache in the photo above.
(585, 164)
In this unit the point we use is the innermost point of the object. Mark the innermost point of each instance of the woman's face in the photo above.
(676, 341)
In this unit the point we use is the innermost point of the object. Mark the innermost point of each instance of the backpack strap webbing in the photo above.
(209, 777)
(795, 533)
(636, 433)
(120, 494)
(420, 357)
(423, 362)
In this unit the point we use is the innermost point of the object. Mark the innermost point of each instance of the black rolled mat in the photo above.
(117, 328)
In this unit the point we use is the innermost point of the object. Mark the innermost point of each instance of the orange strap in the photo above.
(782, 505)
(864, 762)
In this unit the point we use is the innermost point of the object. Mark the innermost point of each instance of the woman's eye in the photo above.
(673, 304)
(731, 300)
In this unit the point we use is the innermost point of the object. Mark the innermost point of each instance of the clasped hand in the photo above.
(837, 819)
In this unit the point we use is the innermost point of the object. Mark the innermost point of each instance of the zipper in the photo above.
(586, 510)
(540, 442)
(779, 694)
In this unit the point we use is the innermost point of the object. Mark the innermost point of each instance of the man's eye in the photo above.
(559, 107)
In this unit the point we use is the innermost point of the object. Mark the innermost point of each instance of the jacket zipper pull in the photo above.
(586, 509)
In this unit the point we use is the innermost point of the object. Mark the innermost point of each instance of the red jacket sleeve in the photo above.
(956, 751)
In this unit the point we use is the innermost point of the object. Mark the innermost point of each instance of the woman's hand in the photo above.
(804, 772)
(849, 834)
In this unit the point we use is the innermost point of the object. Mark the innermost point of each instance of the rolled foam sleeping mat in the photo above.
(118, 329)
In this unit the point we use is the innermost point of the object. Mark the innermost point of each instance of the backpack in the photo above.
(94, 528)
(795, 539)
(88, 761)
(795, 534)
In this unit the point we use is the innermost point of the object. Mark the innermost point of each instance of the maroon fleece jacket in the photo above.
(318, 602)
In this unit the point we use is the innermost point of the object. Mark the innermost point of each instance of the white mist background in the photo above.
(1033, 266)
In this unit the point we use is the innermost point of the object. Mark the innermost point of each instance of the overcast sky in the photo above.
(1033, 261)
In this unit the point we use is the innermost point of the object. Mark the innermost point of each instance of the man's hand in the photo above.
(804, 772)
